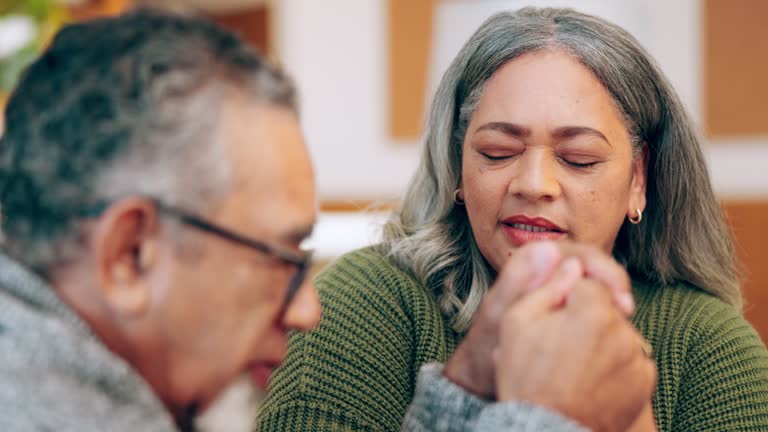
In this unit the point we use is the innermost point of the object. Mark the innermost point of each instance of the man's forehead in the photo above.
(259, 135)
(288, 204)
(273, 188)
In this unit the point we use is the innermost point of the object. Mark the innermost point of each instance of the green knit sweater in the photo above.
(358, 368)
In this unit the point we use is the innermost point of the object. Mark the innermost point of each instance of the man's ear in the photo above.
(124, 243)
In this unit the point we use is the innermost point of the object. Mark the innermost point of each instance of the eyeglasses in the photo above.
(302, 260)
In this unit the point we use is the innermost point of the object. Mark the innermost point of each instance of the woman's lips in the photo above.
(523, 229)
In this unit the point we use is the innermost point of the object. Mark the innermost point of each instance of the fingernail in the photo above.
(543, 255)
(571, 264)
(627, 302)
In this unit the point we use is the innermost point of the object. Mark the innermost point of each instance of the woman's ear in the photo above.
(638, 185)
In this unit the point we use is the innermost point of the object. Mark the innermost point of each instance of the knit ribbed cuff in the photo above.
(440, 405)
(522, 416)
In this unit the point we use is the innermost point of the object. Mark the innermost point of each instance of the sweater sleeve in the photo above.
(440, 405)
(725, 384)
(352, 372)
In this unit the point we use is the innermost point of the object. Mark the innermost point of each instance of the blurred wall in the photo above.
(340, 60)
(336, 50)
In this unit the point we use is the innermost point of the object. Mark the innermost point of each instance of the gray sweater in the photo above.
(55, 375)
(440, 405)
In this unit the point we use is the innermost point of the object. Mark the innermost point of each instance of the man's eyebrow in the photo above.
(572, 131)
(505, 128)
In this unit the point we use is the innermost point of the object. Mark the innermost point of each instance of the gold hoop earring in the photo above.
(637, 219)
(456, 198)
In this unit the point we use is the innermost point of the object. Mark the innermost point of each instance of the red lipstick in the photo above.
(522, 229)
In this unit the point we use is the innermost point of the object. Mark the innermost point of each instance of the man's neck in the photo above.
(137, 345)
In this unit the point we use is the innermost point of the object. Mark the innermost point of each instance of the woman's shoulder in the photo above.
(692, 331)
(371, 258)
(689, 314)
(369, 266)
(713, 366)
(683, 304)
(370, 274)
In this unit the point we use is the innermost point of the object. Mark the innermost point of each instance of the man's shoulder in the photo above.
(52, 367)
(26, 335)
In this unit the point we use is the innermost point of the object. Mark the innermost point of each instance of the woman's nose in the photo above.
(536, 177)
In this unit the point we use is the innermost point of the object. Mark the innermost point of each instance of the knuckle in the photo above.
(594, 289)
(511, 319)
(488, 306)
(649, 369)
(604, 318)
(629, 348)
(647, 374)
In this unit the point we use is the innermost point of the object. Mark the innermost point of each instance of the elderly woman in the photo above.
(550, 124)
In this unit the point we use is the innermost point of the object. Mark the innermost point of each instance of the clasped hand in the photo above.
(554, 331)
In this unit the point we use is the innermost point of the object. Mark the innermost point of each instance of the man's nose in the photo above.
(304, 311)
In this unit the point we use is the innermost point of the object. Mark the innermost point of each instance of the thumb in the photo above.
(526, 270)
(553, 293)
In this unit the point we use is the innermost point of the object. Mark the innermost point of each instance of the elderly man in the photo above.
(155, 189)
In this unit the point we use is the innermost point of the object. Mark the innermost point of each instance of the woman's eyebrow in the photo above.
(519, 131)
(572, 131)
(505, 128)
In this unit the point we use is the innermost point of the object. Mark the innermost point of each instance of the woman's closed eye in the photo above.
(582, 153)
(496, 157)
(499, 154)
(581, 162)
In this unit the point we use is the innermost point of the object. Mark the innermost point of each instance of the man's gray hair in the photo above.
(683, 237)
(117, 107)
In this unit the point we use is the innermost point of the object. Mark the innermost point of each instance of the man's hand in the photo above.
(583, 360)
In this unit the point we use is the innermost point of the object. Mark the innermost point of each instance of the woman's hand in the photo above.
(583, 360)
(645, 422)
(470, 366)
(530, 268)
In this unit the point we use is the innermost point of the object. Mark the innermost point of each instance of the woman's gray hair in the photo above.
(683, 237)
